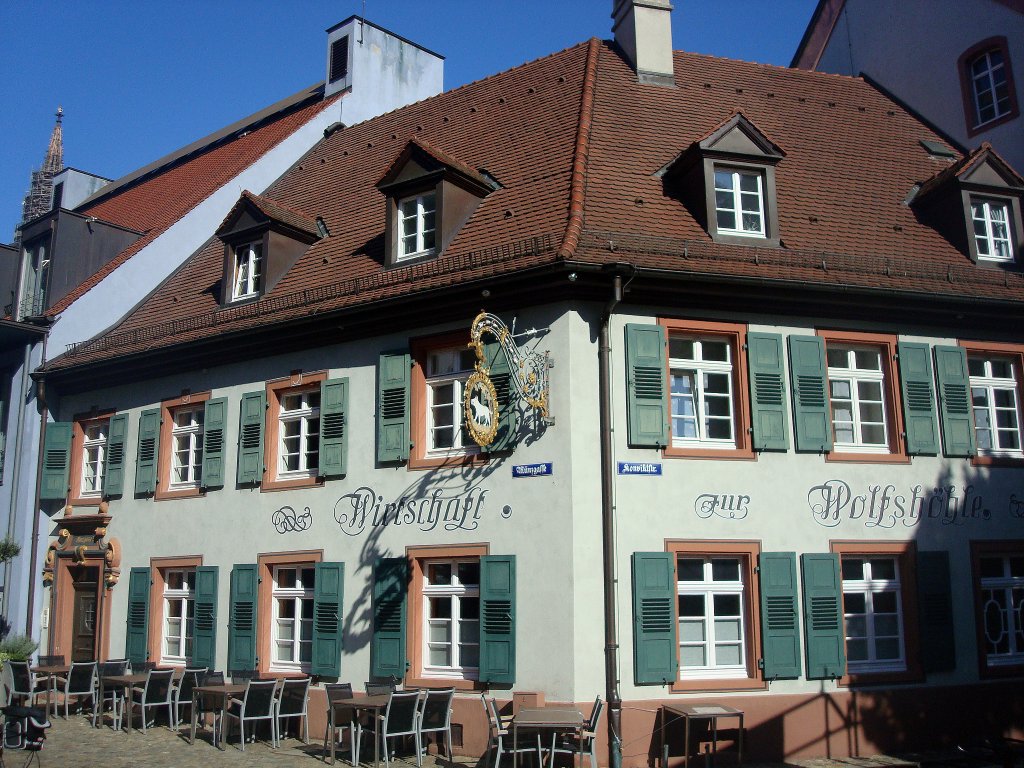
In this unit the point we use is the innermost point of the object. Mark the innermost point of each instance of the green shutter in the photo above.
(935, 612)
(769, 415)
(508, 415)
(204, 642)
(56, 459)
(824, 631)
(390, 584)
(918, 398)
(808, 380)
(955, 401)
(137, 634)
(148, 451)
(242, 622)
(113, 478)
(393, 408)
(655, 654)
(252, 414)
(328, 594)
(334, 427)
(646, 390)
(498, 619)
(214, 422)
(780, 616)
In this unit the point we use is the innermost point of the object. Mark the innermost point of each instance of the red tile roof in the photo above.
(576, 143)
(155, 203)
(275, 210)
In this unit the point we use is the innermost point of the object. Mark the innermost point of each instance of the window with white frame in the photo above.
(1002, 608)
(94, 457)
(991, 220)
(994, 388)
(248, 271)
(712, 631)
(179, 606)
(446, 373)
(739, 202)
(873, 614)
(299, 434)
(703, 409)
(187, 446)
(416, 225)
(451, 611)
(856, 390)
(34, 278)
(989, 86)
(293, 617)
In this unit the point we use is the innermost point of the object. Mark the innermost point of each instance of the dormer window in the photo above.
(417, 226)
(991, 229)
(727, 180)
(248, 271)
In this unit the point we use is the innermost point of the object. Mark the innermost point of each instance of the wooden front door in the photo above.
(84, 615)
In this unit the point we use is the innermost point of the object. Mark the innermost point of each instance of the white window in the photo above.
(994, 384)
(187, 447)
(416, 225)
(293, 617)
(990, 89)
(179, 606)
(299, 430)
(992, 229)
(451, 610)
(248, 271)
(1002, 608)
(94, 457)
(873, 613)
(446, 375)
(856, 386)
(739, 203)
(703, 412)
(712, 635)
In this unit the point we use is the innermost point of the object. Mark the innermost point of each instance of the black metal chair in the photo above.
(401, 719)
(340, 692)
(208, 704)
(56, 660)
(257, 704)
(292, 702)
(182, 693)
(435, 716)
(113, 695)
(25, 684)
(141, 667)
(155, 693)
(379, 689)
(80, 682)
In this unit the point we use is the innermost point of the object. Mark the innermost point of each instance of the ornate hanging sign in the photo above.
(528, 374)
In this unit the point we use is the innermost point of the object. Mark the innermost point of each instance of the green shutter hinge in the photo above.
(760, 663)
(757, 569)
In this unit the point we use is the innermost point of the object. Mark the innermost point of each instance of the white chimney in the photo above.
(643, 30)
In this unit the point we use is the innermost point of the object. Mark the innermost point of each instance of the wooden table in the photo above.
(222, 690)
(125, 683)
(361, 703)
(696, 711)
(51, 672)
(554, 719)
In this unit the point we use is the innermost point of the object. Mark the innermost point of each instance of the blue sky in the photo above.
(140, 79)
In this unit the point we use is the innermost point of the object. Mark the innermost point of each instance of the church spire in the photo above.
(37, 201)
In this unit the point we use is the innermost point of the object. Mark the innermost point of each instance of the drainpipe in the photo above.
(611, 640)
(33, 561)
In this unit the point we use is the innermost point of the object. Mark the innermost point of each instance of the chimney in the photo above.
(377, 70)
(643, 30)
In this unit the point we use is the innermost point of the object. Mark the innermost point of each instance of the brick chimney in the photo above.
(643, 30)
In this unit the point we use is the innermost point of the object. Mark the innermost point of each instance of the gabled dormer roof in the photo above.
(735, 136)
(421, 160)
(257, 209)
(982, 167)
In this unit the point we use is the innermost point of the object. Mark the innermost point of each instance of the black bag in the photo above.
(24, 728)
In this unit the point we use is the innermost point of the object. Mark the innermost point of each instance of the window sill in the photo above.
(85, 501)
(984, 460)
(1000, 671)
(856, 679)
(719, 684)
(678, 452)
(867, 458)
(453, 460)
(974, 129)
(268, 486)
(178, 493)
(458, 683)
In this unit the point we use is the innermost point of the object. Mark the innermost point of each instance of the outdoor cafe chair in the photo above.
(501, 734)
(25, 684)
(257, 704)
(182, 693)
(114, 694)
(208, 704)
(401, 718)
(340, 692)
(156, 692)
(141, 667)
(80, 682)
(570, 746)
(379, 689)
(242, 676)
(57, 660)
(292, 699)
(435, 716)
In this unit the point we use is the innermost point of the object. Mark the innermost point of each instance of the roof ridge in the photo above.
(581, 154)
(765, 65)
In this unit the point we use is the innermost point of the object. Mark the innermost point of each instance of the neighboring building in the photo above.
(778, 467)
(105, 245)
(951, 61)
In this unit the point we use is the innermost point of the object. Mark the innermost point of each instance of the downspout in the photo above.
(611, 640)
(33, 561)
